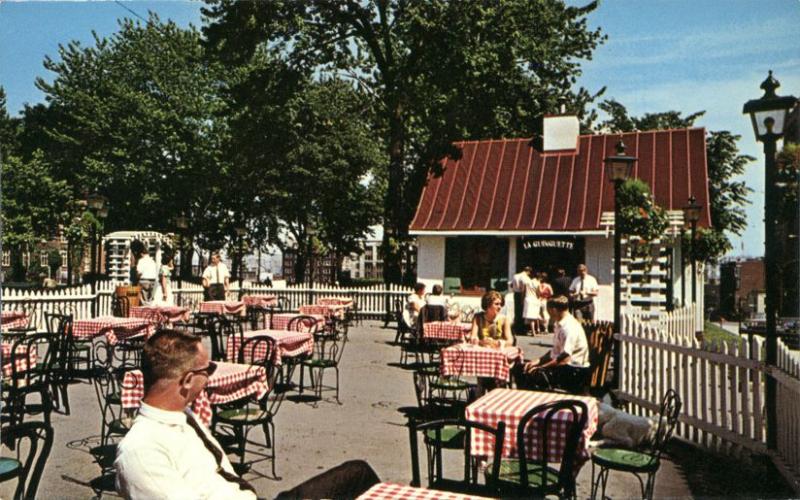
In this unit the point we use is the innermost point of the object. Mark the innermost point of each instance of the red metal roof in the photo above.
(507, 185)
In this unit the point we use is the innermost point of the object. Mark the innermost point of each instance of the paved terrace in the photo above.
(367, 426)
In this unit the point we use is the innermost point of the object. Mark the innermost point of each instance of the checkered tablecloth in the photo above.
(329, 311)
(509, 406)
(223, 307)
(263, 301)
(22, 361)
(85, 329)
(230, 382)
(281, 321)
(13, 319)
(445, 330)
(287, 344)
(393, 491)
(468, 360)
(335, 301)
(161, 314)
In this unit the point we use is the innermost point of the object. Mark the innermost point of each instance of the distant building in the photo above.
(324, 268)
(741, 288)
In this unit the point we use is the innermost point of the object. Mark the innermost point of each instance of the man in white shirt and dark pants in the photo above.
(582, 292)
(519, 285)
(147, 272)
(216, 279)
(566, 366)
(168, 453)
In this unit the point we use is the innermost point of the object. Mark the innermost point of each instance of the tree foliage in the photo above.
(435, 72)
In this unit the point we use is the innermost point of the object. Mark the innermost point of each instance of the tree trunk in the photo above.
(394, 225)
(300, 267)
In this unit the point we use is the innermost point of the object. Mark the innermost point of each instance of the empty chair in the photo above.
(33, 359)
(120, 306)
(327, 353)
(29, 446)
(303, 323)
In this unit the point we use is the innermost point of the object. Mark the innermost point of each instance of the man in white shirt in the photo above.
(168, 453)
(582, 292)
(566, 366)
(147, 273)
(519, 285)
(216, 279)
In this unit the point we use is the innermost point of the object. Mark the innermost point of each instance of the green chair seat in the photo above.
(120, 426)
(9, 468)
(452, 436)
(450, 384)
(319, 363)
(625, 460)
(509, 476)
(242, 415)
(114, 398)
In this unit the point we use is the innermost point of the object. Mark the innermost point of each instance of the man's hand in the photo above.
(531, 366)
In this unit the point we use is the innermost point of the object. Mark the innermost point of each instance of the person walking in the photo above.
(147, 273)
(216, 279)
(163, 293)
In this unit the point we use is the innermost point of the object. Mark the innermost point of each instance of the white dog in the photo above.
(625, 429)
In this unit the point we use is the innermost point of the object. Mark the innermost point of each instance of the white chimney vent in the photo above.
(560, 133)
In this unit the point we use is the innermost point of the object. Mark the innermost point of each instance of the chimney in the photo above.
(560, 133)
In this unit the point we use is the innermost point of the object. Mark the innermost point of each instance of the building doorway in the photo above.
(549, 253)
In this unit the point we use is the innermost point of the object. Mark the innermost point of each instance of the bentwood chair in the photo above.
(644, 462)
(112, 366)
(327, 353)
(59, 328)
(29, 446)
(31, 378)
(522, 476)
(243, 415)
(434, 433)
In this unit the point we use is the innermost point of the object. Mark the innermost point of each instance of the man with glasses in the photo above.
(168, 452)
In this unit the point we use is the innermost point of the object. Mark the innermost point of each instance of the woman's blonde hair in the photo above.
(490, 297)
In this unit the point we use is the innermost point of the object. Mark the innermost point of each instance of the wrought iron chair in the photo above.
(244, 414)
(26, 462)
(327, 353)
(120, 306)
(31, 376)
(59, 328)
(219, 328)
(644, 462)
(435, 443)
(522, 476)
(112, 365)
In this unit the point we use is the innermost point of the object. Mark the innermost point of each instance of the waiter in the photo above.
(582, 292)
(519, 284)
(216, 279)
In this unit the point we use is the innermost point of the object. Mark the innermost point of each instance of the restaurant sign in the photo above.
(562, 244)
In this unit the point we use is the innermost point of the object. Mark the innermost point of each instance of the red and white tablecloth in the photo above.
(468, 360)
(281, 321)
(287, 344)
(84, 329)
(13, 319)
(223, 307)
(335, 301)
(329, 311)
(392, 491)
(229, 382)
(262, 301)
(510, 405)
(445, 330)
(22, 361)
(161, 314)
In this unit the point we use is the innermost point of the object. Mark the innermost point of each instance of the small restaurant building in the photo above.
(509, 203)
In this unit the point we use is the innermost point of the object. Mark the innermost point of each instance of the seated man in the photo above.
(168, 453)
(566, 366)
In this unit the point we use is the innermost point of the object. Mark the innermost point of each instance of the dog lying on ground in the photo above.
(624, 429)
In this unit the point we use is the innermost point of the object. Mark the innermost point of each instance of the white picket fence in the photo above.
(372, 301)
(721, 384)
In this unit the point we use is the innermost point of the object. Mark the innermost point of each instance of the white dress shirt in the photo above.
(589, 286)
(146, 268)
(216, 274)
(570, 338)
(163, 457)
(520, 281)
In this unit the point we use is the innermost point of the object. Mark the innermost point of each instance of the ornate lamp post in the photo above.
(181, 224)
(619, 168)
(98, 204)
(769, 116)
(241, 231)
(691, 213)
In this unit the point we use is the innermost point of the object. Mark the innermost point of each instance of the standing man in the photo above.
(168, 453)
(519, 284)
(566, 366)
(147, 272)
(216, 279)
(582, 291)
(561, 283)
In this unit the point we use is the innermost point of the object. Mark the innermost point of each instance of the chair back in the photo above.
(432, 313)
(258, 350)
(667, 420)
(59, 326)
(399, 308)
(120, 306)
(303, 323)
(437, 442)
(329, 347)
(282, 303)
(39, 437)
(30, 375)
(218, 328)
(546, 413)
(600, 337)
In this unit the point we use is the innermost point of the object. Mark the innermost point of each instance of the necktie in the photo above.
(214, 450)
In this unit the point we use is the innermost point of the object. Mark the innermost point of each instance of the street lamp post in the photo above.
(181, 223)
(619, 169)
(691, 213)
(769, 116)
(97, 204)
(241, 231)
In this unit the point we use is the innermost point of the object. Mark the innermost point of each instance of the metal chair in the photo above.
(115, 421)
(244, 414)
(31, 378)
(327, 353)
(120, 306)
(644, 462)
(435, 433)
(522, 476)
(59, 328)
(28, 462)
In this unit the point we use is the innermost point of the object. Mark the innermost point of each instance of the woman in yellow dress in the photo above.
(490, 328)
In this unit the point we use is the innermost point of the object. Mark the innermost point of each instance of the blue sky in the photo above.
(688, 55)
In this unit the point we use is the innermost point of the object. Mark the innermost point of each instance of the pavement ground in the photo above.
(311, 439)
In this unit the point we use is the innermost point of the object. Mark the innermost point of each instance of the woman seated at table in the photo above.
(490, 328)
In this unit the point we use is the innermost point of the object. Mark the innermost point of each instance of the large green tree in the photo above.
(727, 195)
(436, 72)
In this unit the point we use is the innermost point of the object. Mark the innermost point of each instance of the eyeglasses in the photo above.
(207, 371)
